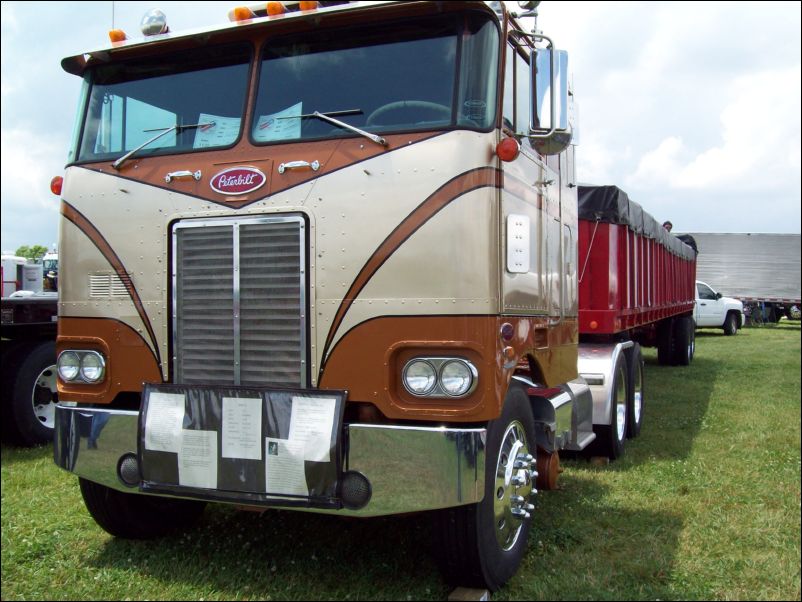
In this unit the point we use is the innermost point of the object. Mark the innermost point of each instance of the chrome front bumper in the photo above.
(410, 469)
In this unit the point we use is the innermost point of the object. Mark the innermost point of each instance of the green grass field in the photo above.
(704, 505)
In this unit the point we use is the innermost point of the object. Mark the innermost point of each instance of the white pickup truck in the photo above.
(715, 311)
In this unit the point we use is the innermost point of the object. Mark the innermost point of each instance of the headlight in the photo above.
(440, 377)
(81, 366)
(69, 364)
(456, 378)
(92, 367)
(419, 377)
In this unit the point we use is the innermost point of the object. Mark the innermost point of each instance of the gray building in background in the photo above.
(751, 267)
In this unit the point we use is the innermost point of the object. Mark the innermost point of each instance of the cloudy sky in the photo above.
(693, 108)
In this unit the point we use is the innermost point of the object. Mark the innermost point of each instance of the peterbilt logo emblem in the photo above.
(237, 180)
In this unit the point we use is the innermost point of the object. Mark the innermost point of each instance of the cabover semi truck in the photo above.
(329, 257)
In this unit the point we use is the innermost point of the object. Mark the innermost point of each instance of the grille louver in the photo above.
(239, 302)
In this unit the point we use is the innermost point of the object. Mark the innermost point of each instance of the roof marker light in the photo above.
(275, 8)
(241, 13)
(312, 5)
(117, 35)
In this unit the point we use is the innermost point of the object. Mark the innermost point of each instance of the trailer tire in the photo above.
(610, 437)
(635, 392)
(135, 516)
(482, 545)
(684, 341)
(731, 324)
(665, 342)
(30, 415)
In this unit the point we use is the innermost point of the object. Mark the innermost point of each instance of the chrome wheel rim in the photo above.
(44, 397)
(510, 483)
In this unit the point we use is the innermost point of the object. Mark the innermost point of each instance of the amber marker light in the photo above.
(56, 184)
(308, 5)
(242, 13)
(508, 149)
(594, 325)
(117, 35)
(275, 8)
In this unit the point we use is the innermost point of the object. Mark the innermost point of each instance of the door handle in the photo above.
(314, 165)
(174, 175)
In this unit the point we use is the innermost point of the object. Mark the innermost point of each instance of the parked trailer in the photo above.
(29, 368)
(358, 296)
(636, 289)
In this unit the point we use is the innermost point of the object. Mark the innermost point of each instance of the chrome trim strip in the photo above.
(410, 468)
(237, 302)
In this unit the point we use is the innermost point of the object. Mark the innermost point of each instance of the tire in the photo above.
(135, 516)
(635, 392)
(684, 341)
(33, 398)
(481, 545)
(730, 324)
(665, 342)
(610, 437)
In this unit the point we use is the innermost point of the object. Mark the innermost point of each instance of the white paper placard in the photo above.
(284, 467)
(164, 422)
(242, 428)
(222, 131)
(311, 423)
(273, 127)
(197, 459)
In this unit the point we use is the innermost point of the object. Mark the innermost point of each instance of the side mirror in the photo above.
(718, 295)
(550, 127)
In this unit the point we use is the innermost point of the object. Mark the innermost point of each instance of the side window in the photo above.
(705, 292)
(509, 88)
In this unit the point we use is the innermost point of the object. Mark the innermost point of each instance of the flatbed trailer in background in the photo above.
(762, 270)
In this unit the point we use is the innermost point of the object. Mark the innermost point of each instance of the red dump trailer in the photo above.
(636, 289)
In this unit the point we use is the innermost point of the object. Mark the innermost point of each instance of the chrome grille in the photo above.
(239, 299)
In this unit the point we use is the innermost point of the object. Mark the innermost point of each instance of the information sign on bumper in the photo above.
(242, 444)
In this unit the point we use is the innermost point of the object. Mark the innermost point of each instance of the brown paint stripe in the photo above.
(464, 183)
(85, 226)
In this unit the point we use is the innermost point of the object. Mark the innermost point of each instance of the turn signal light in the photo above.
(242, 13)
(56, 184)
(508, 149)
(117, 35)
(275, 8)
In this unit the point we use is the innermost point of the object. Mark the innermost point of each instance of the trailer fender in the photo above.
(596, 363)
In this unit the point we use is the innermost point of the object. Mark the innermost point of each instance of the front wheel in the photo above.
(482, 545)
(135, 516)
(32, 403)
(731, 324)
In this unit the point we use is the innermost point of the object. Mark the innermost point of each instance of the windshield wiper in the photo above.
(328, 117)
(163, 132)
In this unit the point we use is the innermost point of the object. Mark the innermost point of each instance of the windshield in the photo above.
(421, 74)
(130, 103)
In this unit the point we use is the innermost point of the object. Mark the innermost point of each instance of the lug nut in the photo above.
(518, 480)
(517, 499)
(519, 513)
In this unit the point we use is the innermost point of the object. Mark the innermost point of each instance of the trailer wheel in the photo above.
(135, 516)
(665, 342)
(481, 545)
(731, 324)
(31, 408)
(610, 437)
(635, 392)
(684, 341)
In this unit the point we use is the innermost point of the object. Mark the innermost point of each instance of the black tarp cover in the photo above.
(610, 204)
